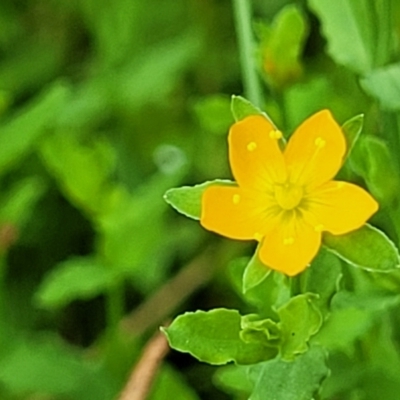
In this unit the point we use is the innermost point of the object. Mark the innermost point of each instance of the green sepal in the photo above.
(351, 130)
(254, 273)
(214, 337)
(187, 199)
(299, 320)
(367, 248)
(242, 108)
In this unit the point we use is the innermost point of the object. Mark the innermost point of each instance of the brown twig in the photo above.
(142, 377)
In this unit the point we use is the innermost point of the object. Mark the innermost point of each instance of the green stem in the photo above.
(251, 83)
(114, 307)
(3, 267)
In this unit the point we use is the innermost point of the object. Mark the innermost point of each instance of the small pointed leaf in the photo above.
(242, 108)
(254, 273)
(187, 199)
(352, 129)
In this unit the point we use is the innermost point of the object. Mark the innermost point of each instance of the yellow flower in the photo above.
(286, 199)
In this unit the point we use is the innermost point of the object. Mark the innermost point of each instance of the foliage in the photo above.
(111, 112)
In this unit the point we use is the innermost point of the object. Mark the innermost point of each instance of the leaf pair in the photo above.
(220, 336)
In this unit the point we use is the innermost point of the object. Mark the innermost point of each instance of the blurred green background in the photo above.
(105, 105)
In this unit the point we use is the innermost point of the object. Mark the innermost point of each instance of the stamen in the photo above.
(339, 185)
(258, 237)
(288, 241)
(236, 198)
(275, 134)
(319, 142)
(251, 146)
(319, 228)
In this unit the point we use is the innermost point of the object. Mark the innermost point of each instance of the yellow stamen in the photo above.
(288, 241)
(251, 146)
(288, 196)
(339, 185)
(258, 237)
(236, 198)
(319, 142)
(275, 134)
(319, 228)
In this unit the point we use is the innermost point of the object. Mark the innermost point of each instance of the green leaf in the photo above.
(370, 301)
(341, 20)
(82, 171)
(140, 219)
(254, 273)
(16, 207)
(142, 81)
(214, 114)
(352, 129)
(288, 31)
(353, 314)
(19, 136)
(384, 85)
(242, 108)
(367, 248)
(297, 380)
(271, 293)
(233, 379)
(372, 160)
(323, 278)
(258, 330)
(214, 337)
(299, 320)
(170, 381)
(343, 327)
(77, 278)
(187, 199)
(44, 364)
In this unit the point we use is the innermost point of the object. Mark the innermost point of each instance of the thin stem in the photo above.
(142, 377)
(114, 307)
(251, 83)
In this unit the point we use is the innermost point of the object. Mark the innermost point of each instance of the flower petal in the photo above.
(315, 151)
(255, 157)
(291, 246)
(236, 213)
(339, 207)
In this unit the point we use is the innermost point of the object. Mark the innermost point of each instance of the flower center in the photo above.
(288, 196)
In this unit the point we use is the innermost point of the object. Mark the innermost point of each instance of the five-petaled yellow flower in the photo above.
(286, 199)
